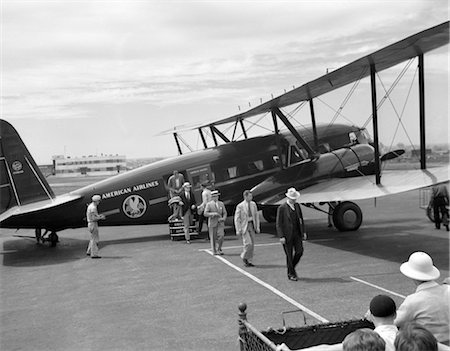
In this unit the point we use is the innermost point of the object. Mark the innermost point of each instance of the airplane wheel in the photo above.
(270, 214)
(53, 237)
(347, 216)
(430, 213)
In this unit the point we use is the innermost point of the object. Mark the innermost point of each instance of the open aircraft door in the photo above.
(197, 176)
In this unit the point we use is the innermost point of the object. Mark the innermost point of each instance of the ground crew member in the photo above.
(440, 203)
(92, 218)
(246, 221)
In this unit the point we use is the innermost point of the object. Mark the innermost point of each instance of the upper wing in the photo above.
(358, 188)
(387, 57)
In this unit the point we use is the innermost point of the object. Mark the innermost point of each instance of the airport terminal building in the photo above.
(104, 165)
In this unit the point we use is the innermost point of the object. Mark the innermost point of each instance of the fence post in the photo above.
(242, 329)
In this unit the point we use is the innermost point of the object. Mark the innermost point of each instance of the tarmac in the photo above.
(150, 293)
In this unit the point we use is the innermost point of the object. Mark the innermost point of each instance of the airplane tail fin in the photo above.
(21, 181)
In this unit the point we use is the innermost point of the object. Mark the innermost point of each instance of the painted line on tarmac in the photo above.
(270, 287)
(240, 246)
(378, 287)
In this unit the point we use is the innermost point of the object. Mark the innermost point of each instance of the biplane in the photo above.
(330, 164)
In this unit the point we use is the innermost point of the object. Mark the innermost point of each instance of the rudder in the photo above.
(21, 180)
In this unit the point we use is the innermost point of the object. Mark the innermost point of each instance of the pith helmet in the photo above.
(420, 267)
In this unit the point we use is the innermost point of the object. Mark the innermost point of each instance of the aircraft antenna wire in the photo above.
(394, 84)
(400, 116)
(346, 99)
(255, 124)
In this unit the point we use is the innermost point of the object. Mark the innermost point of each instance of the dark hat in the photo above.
(382, 306)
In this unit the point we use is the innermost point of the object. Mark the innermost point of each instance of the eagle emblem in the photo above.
(134, 206)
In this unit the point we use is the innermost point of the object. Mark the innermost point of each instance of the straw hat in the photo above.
(292, 194)
(187, 184)
(420, 267)
(215, 193)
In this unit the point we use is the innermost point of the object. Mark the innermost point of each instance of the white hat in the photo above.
(215, 193)
(420, 267)
(96, 198)
(186, 184)
(292, 194)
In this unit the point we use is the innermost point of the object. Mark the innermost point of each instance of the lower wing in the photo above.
(364, 187)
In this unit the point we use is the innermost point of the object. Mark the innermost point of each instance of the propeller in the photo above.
(392, 154)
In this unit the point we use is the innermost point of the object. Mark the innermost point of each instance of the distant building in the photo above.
(103, 165)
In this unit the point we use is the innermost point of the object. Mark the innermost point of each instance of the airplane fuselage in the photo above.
(140, 196)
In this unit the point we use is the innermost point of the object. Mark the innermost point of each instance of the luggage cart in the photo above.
(176, 230)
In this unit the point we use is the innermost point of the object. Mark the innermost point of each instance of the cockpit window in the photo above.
(296, 155)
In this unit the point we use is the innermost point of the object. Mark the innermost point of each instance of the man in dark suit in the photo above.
(188, 209)
(291, 231)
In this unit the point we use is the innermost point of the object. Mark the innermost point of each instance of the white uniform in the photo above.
(92, 217)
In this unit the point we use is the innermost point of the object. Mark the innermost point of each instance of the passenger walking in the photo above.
(175, 183)
(92, 218)
(188, 209)
(216, 212)
(430, 304)
(440, 202)
(246, 221)
(206, 197)
(291, 231)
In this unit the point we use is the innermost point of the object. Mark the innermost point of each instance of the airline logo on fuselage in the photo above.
(17, 167)
(134, 206)
(129, 190)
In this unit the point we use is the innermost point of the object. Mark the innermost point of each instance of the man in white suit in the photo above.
(216, 213)
(246, 221)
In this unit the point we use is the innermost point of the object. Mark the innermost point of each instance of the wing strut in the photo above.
(375, 123)
(222, 136)
(277, 139)
(205, 145)
(175, 135)
(294, 132)
(313, 121)
(243, 128)
(422, 113)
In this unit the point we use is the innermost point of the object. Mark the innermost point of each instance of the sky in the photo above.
(105, 77)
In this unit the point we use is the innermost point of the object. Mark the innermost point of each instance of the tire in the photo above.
(270, 214)
(347, 216)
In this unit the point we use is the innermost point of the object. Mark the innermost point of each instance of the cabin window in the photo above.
(230, 172)
(255, 166)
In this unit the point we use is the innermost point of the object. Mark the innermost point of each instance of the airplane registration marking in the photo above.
(377, 287)
(270, 287)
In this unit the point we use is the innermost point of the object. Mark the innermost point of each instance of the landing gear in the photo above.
(347, 216)
(52, 237)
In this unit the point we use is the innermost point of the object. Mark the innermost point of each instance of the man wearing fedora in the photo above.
(188, 208)
(430, 304)
(92, 218)
(291, 231)
(216, 213)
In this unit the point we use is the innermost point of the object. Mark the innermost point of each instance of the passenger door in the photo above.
(197, 176)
